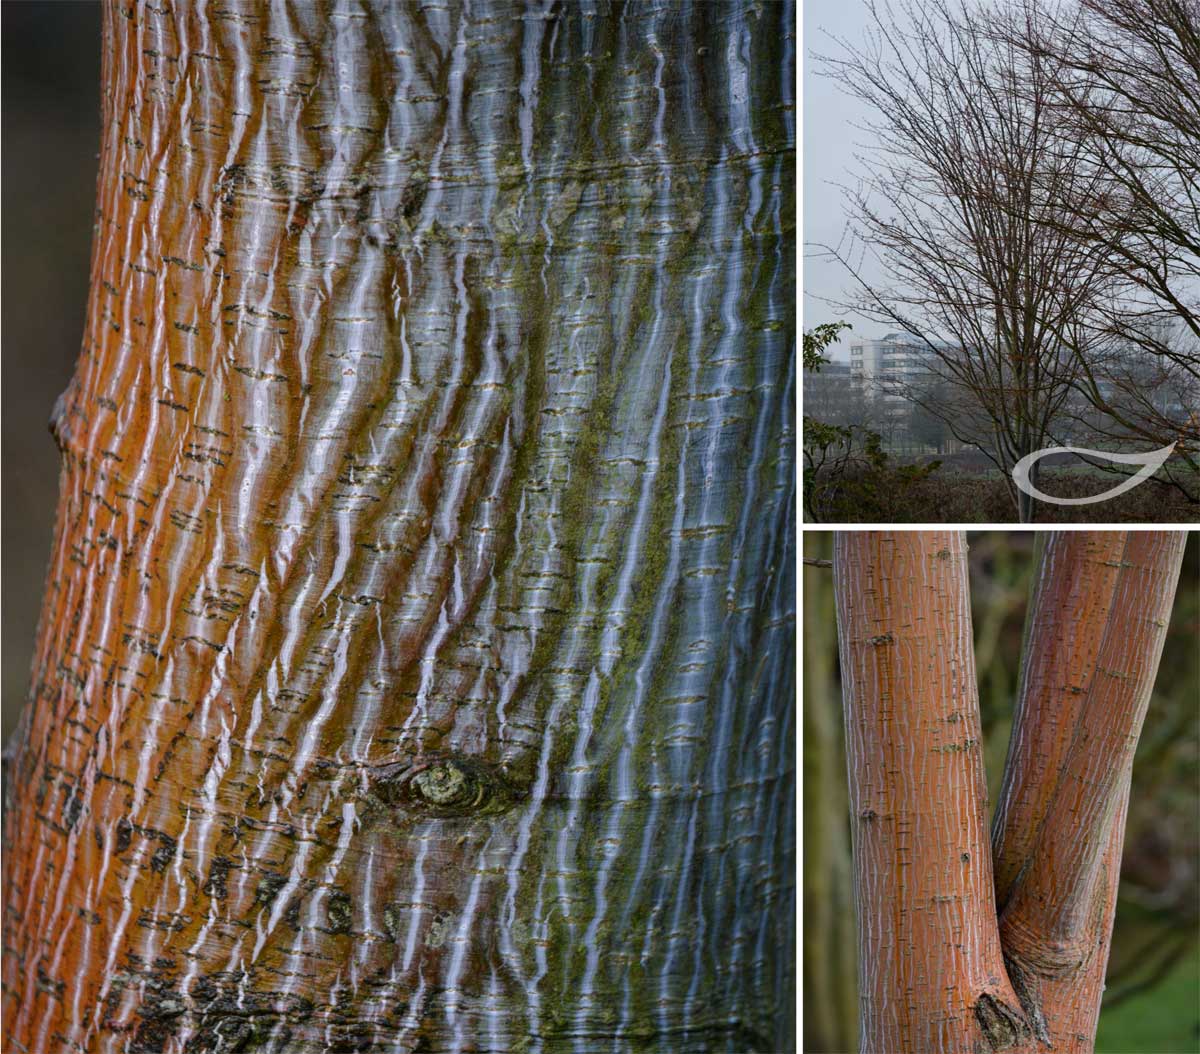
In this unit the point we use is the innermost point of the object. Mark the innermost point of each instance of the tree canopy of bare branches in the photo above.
(965, 203)
(1126, 91)
(1033, 196)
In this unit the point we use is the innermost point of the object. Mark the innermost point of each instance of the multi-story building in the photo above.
(883, 367)
(886, 373)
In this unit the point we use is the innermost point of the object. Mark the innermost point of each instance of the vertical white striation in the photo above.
(416, 666)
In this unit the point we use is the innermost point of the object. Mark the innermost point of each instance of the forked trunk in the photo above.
(950, 959)
(416, 664)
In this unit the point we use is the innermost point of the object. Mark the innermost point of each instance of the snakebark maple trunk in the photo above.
(415, 669)
(965, 945)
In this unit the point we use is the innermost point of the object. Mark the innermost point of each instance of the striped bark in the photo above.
(950, 958)
(415, 669)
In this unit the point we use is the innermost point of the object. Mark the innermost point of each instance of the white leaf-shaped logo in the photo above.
(1150, 462)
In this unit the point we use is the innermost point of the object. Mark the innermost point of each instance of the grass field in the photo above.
(951, 495)
(1164, 1020)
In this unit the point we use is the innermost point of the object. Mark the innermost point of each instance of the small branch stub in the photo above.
(445, 786)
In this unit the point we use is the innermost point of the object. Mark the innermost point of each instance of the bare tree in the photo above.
(959, 203)
(1126, 94)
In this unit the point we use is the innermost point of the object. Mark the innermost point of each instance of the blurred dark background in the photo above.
(1154, 970)
(50, 134)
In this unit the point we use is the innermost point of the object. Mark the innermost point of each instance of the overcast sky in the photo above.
(830, 139)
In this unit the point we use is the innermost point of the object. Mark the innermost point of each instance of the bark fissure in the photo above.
(1002, 1026)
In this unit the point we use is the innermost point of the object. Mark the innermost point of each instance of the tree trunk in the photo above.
(940, 968)
(415, 669)
(1026, 503)
(931, 973)
(1102, 603)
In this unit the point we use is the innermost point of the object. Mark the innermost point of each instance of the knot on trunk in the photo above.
(448, 783)
(59, 423)
(445, 785)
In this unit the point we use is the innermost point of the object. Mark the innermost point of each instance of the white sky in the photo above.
(829, 142)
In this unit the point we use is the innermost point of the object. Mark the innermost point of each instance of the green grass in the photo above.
(1163, 1020)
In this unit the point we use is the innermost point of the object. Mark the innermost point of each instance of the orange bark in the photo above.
(938, 970)
(931, 975)
(1095, 637)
